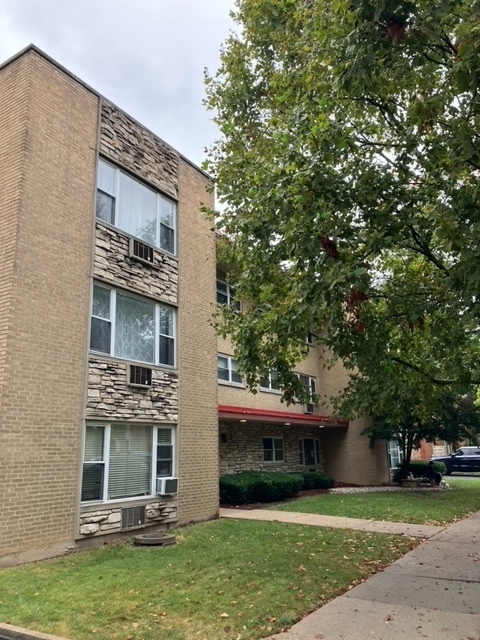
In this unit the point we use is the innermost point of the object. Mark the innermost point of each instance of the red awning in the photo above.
(227, 412)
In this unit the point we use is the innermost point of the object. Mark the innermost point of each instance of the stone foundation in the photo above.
(103, 520)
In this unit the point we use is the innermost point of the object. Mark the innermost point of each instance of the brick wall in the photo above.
(49, 122)
(348, 457)
(198, 423)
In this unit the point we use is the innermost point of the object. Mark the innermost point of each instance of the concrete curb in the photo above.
(9, 632)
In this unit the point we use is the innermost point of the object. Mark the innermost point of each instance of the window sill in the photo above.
(275, 392)
(131, 502)
(159, 367)
(237, 385)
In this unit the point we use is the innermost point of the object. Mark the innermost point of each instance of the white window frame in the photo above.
(106, 460)
(230, 294)
(317, 450)
(271, 377)
(395, 454)
(309, 339)
(273, 449)
(115, 196)
(156, 347)
(230, 360)
(311, 385)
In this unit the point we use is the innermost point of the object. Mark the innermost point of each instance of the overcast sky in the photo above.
(146, 56)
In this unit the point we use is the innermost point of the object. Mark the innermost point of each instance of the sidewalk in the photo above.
(432, 592)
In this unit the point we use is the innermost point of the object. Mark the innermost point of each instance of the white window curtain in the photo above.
(134, 328)
(137, 210)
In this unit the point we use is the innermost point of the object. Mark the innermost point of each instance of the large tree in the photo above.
(348, 171)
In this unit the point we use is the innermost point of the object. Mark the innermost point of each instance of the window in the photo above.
(227, 370)
(309, 339)
(123, 461)
(395, 454)
(226, 294)
(135, 208)
(273, 450)
(309, 451)
(126, 326)
(268, 381)
(308, 383)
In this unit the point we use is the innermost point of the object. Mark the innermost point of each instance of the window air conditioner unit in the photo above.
(309, 408)
(140, 251)
(167, 486)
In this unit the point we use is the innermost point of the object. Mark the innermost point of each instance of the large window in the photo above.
(226, 294)
(131, 327)
(269, 382)
(134, 208)
(227, 370)
(273, 450)
(309, 451)
(123, 461)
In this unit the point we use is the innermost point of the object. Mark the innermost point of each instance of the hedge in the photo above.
(258, 486)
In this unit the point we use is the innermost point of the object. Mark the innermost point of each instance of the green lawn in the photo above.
(223, 580)
(420, 507)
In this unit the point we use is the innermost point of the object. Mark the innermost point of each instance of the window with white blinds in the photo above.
(130, 462)
(123, 460)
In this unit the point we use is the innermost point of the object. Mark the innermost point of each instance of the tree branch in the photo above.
(425, 374)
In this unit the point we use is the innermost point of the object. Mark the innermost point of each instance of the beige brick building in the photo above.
(259, 432)
(113, 415)
(108, 390)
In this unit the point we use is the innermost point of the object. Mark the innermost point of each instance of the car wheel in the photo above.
(448, 470)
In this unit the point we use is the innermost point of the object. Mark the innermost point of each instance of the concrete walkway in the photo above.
(414, 530)
(432, 592)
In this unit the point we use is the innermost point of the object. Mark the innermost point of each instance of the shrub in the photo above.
(257, 486)
(418, 468)
(312, 480)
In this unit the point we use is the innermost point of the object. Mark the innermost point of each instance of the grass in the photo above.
(419, 507)
(223, 580)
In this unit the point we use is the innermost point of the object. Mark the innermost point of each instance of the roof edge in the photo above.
(33, 48)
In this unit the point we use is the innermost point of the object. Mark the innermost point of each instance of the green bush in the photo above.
(312, 480)
(257, 486)
(234, 489)
(418, 468)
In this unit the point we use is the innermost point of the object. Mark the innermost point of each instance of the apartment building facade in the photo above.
(119, 407)
(258, 432)
(108, 392)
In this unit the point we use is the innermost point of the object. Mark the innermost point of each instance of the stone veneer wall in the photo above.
(104, 520)
(113, 264)
(243, 450)
(132, 146)
(109, 395)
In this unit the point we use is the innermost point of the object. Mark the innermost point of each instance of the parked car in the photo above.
(464, 459)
